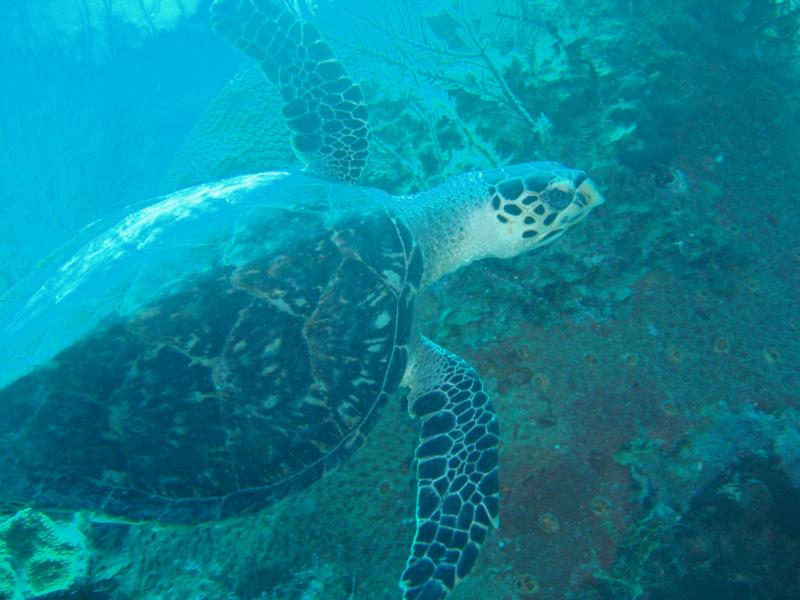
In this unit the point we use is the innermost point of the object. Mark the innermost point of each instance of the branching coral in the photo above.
(454, 46)
(459, 71)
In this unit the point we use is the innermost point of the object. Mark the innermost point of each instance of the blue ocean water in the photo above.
(643, 368)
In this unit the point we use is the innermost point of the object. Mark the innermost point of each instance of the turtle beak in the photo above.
(588, 192)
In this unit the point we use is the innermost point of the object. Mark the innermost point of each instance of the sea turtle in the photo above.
(226, 345)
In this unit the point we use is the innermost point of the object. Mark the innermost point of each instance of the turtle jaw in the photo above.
(585, 198)
(590, 195)
(541, 210)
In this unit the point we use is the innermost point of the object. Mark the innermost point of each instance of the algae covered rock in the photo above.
(38, 555)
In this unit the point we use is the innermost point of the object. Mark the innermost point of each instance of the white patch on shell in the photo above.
(383, 320)
(281, 305)
(393, 280)
(376, 298)
(273, 347)
(269, 369)
(142, 228)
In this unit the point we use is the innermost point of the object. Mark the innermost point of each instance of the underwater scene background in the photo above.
(645, 368)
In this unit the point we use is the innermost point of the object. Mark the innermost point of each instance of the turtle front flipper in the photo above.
(324, 108)
(457, 482)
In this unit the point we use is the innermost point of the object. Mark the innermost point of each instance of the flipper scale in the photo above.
(325, 110)
(457, 478)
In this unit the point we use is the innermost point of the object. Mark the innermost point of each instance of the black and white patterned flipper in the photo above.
(457, 481)
(323, 108)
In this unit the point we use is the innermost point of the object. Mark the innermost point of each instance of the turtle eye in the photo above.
(557, 198)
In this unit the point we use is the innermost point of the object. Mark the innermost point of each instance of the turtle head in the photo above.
(498, 212)
(532, 204)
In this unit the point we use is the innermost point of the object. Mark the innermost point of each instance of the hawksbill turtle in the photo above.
(224, 346)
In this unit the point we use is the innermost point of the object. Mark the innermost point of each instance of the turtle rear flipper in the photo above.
(457, 481)
(323, 107)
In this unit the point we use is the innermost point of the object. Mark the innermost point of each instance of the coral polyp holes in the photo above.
(528, 585)
(548, 523)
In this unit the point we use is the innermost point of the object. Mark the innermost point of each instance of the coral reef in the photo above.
(39, 556)
(628, 361)
(726, 467)
(8, 577)
(644, 368)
